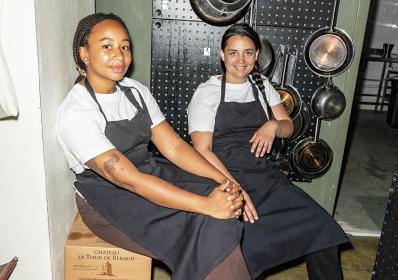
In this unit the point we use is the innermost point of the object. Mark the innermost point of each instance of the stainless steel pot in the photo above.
(328, 102)
(220, 12)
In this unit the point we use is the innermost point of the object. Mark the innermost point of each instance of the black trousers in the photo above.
(324, 265)
(321, 265)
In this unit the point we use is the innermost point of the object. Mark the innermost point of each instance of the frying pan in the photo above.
(220, 12)
(290, 97)
(329, 51)
(266, 55)
(312, 156)
(301, 123)
(328, 102)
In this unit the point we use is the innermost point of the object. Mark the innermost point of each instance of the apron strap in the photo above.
(91, 91)
(270, 115)
(223, 83)
(254, 88)
(128, 92)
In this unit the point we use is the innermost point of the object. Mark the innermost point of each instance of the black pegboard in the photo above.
(185, 55)
(311, 14)
(386, 265)
(174, 10)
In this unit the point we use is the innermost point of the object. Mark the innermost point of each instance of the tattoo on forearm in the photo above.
(93, 166)
(110, 166)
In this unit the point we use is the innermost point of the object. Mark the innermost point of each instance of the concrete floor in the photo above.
(357, 263)
(371, 158)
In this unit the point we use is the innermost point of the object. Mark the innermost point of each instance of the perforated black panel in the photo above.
(294, 13)
(386, 265)
(173, 9)
(184, 56)
(184, 51)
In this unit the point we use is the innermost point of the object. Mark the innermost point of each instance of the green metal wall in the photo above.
(352, 18)
(137, 14)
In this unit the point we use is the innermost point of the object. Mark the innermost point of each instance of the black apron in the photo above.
(190, 244)
(291, 224)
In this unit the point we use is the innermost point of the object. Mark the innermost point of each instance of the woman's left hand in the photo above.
(263, 138)
(249, 211)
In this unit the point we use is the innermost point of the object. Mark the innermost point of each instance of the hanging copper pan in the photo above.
(220, 12)
(329, 51)
(312, 156)
(289, 95)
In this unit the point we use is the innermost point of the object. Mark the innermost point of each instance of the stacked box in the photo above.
(87, 257)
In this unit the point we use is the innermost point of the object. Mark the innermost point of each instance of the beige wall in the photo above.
(36, 197)
(56, 23)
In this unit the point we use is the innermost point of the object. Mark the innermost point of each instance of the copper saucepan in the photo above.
(329, 51)
(312, 156)
(289, 95)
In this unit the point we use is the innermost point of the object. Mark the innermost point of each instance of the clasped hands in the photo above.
(233, 202)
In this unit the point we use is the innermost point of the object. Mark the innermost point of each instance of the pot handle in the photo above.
(286, 55)
(317, 129)
(334, 14)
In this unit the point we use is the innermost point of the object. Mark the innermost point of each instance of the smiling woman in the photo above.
(233, 121)
(157, 207)
(239, 57)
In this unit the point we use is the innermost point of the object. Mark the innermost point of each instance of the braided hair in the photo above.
(244, 29)
(82, 33)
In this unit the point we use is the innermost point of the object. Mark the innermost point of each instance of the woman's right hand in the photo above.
(225, 201)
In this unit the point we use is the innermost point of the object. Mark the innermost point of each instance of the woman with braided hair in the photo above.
(233, 121)
(181, 211)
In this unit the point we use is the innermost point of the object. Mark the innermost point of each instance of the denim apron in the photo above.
(190, 244)
(291, 224)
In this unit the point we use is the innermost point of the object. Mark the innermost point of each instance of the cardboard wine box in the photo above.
(87, 257)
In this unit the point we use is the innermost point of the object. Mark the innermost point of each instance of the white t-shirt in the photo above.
(80, 125)
(204, 104)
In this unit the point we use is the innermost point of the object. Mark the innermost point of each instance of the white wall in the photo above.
(382, 27)
(56, 23)
(23, 208)
(36, 197)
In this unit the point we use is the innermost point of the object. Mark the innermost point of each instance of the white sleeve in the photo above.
(272, 95)
(202, 111)
(83, 137)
